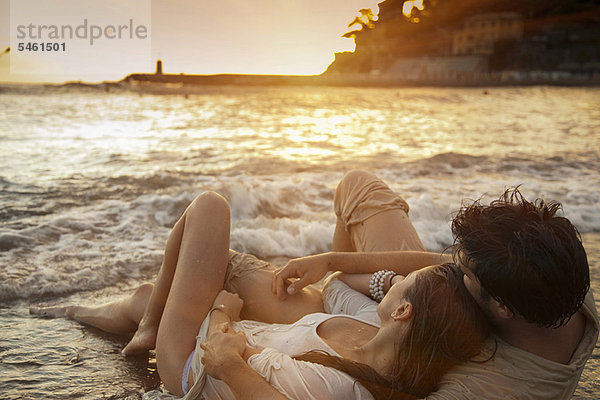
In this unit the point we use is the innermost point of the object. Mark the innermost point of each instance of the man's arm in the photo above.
(360, 282)
(401, 262)
(245, 383)
(311, 269)
(225, 355)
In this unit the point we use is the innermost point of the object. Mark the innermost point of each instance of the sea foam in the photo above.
(110, 241)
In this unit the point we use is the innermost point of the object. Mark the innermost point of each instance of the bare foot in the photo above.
(142, 341)
(50, 312)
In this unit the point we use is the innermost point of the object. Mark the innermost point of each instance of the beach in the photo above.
(92, 180)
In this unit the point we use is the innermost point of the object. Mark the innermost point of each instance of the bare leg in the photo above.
(142, 312)
(121, 317)
(144, 338)
(199, 276)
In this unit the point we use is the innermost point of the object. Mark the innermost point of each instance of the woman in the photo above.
(198, 264)
(427, 325)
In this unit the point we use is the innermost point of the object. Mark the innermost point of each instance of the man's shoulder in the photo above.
(589, 308)
(590, 336)
(496, 378)
(513, 373)
(505, 377)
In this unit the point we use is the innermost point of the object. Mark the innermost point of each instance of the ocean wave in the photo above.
(105, 241)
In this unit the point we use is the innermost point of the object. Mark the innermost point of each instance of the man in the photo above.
(525, 266)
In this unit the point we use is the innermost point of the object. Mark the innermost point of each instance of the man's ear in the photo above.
(403, 312)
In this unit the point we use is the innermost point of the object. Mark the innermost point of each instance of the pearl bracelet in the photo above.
(376, 284)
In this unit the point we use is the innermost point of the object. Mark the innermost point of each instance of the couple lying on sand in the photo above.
(508, 316)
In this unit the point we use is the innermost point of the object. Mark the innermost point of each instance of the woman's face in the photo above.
(395, 297)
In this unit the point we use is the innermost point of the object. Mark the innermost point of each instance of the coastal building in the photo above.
(481, 32)
(439, 69)
(528, 46)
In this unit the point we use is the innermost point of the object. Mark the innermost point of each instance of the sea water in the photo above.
(92, 178)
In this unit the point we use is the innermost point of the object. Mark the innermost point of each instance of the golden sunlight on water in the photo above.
(300, 125)
(304, 154)
(409, 5)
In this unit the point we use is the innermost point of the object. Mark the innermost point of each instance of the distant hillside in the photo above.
(555, 33)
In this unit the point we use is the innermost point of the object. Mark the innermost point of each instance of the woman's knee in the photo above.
(209, 204)
(137, 303)
(144, 290)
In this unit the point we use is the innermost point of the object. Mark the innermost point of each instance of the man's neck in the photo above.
(554, 344)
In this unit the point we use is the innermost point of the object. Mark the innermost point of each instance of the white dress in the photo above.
(295, 379)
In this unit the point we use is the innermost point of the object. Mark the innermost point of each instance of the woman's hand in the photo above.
(229, 303)
(222, 351)
(308, 270)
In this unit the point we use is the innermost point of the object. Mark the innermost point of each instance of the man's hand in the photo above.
(224, 359)
(308, 270)
(223, 349)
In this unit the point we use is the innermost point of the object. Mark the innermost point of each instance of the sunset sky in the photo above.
(224, 36)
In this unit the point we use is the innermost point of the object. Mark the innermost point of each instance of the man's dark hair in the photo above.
(525, 256)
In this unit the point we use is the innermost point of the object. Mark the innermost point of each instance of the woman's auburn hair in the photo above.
(447, 328)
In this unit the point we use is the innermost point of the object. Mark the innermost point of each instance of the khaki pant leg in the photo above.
(375, 217)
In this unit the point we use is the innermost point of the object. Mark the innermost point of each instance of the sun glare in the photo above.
(409, 5)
